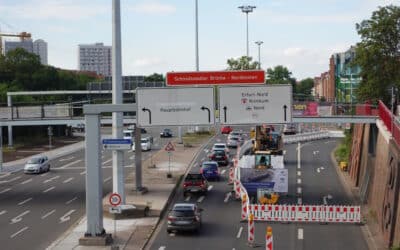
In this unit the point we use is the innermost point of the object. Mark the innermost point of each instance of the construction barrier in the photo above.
(250, 231)
(269, 242)
(236, 186)
(306, 213)
(244, 207)
(231, 176)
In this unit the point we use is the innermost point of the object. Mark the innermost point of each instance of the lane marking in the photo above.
(70, 164)
(67, 159)
(298, 155)
(318, 170)
(162, 248)
(48, 214)
(68, 180)
(299, 190)
(5, 190)
(210, 187)
(223, 171)
(188, 198)
(239, 233)
(49, 189)
(27, 181)
(68, 202)
(3, 212)
(51, 179)
(107, 161)
(44, 174)
(322, 168)
(82, 173)
(14, 179)
(18, 218)
(5, 175)
(20, 231)
(227, 197)
(200, 199)
(299, 201)
(299, 173)
(202, 159)
(299, 181)
(284, 152)
(107, 179)
(25, 201)
(66, 217)
(300, 234)
(206, 150)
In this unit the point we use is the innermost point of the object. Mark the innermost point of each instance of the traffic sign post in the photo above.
(117, 144)
(115, 200)
(169, 148)
(255, 105)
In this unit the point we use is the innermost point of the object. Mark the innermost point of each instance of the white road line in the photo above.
(188, 198)
(210, 187)
(223, 171)
(48, 214)
(299, 173)
(5, 175)
(322, 168)
(49, 189)
(200, 199)
(14, 179)
(68, 202)
(318, 170)
(202, 159)
(300, 234)
(51, 179)
(18, 218)
(162, 248)
(24, 201)
(27, 181)
(227, 196)
(3, 212)
(66, 217)
(44, 174)
(206, 150)
(82, 173)
(299, 190)
(299, 181)
(284, 152)
(70, 164)
(67, 159)
(68, 180)
(239, 233)
(20, 231)
(298, 155)
(5, 190)
(107, 179)
(299, 201)
(107, 161)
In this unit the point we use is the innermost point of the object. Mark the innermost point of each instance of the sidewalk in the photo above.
(133, 234)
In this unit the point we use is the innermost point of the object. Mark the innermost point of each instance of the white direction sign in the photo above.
(255, 104)
(175, 106)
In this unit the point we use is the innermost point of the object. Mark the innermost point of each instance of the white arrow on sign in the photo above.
(19, 217)
(66, 217)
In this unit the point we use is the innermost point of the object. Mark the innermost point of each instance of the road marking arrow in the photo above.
(18, 218)
(227, 197)
(51, 179)
(66, 217)
(67, 159)
(326, 198)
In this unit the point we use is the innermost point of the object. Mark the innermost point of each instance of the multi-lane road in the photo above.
(37, 209)
(312, 180)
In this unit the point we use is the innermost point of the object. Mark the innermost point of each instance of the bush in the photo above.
(342, 153)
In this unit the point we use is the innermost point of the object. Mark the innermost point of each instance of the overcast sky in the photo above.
(159, 35)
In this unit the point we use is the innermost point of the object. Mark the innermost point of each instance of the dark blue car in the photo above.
(209, 169)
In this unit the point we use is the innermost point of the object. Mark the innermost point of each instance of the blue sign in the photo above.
(117, 141)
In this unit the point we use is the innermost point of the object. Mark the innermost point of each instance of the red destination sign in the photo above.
(216, 77)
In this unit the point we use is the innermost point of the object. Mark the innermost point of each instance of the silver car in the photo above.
(233, 141)
(37, 164)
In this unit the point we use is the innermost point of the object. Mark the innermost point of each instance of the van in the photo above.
(145, 143)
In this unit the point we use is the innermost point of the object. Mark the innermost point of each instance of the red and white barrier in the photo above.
(231, 176)
(244, 207)
(306, 213)
(250, 230)
(269, 241)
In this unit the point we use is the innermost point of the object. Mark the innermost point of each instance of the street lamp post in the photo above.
(197, 35)
(259, 55)
(247, 9)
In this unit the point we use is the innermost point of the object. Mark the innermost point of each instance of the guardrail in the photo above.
(391, 122)
(311, 136)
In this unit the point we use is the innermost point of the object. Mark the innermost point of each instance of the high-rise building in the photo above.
(95, 57)
(40, 48)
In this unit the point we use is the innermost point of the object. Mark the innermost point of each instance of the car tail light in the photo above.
(185, 184)
(225, 157)
(170, 218)
(201, 171)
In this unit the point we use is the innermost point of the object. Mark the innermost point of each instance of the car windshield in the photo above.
(219, 146)
(219, 152)
(34, 161)
(193, 177)
(145, 140)
(234, 139)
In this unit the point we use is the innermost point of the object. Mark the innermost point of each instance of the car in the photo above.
(220, 156)
(290, 129)
(195, 183)
(37, 165)
(226, 129)
(233, 141)
(235, 133)
(220, 146)
(209, 169)
(145, 143)
(166, 133)
(80, 127)
(184, 217)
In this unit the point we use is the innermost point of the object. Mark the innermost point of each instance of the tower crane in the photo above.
(23, 35)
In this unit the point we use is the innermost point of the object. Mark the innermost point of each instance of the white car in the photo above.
(145, 143)
(234, 141)
(37, 165)
(220, 146)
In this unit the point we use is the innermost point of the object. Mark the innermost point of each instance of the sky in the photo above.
(158, 36)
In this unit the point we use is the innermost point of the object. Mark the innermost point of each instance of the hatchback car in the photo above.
(220, 146)
(226, 129)
(195, 183)
(184, 217)
(233, 141)
(37, 165)
(209, 169)
(220, 156)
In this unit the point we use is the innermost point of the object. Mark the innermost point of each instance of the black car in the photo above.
(219, 156)
(184, 217)
(166, 133)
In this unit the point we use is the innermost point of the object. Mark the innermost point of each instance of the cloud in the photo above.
(154, 8)
(55, 10)
(294, 51)
(148, 62)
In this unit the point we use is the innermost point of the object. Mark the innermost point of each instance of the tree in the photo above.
(304, 87)
(378, 53)
(154, 78)
(280, 75)
(242, 63)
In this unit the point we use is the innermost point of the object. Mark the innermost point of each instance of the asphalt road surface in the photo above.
(312, 180)
(37, 209)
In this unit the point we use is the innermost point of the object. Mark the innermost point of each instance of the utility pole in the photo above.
(259, 54)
